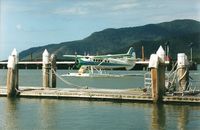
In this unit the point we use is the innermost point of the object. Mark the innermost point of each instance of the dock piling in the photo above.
(53, 71)
(45, 68)
(182, 72)
(157, 66)
(15, 54)
(12, 75)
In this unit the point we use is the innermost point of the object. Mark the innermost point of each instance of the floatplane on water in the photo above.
(95, 64)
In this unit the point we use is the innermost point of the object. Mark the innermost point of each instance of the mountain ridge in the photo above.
(112, 40)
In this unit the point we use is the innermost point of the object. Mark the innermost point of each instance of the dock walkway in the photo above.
(114, 94)
(132, 95)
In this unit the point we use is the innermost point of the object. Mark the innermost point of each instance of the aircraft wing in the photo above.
(100, 56)
(112, 56)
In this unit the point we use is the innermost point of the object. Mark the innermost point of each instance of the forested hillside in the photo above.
(179, 33)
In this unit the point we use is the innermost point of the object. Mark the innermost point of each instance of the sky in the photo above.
(30, 23)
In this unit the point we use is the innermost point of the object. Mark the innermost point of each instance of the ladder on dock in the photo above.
(147, 80)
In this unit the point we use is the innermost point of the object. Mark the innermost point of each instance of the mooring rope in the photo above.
(179, 80)
(183, 74)
(67, 82)
(174, 75)
(17, 90)
(172, 72)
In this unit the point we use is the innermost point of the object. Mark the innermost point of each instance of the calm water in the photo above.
(51, 114)
(34, 78)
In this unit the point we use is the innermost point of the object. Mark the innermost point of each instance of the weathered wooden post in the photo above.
(158, 117)
(12, 75)
(53, 71)
(182, 72)
(157, 66)
(161, 71)
(45, 68)
(15, 54)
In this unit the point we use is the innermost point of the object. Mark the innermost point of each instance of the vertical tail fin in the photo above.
(130, 51)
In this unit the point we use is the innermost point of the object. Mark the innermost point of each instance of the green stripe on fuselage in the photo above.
(89, 63)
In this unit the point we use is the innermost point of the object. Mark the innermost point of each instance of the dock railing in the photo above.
(147, 80)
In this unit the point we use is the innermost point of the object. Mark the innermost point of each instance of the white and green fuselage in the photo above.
(115, 61)
(108, 63)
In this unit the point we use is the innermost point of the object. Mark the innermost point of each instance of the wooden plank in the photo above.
(97, 94)
(182, 99)
(114, 94)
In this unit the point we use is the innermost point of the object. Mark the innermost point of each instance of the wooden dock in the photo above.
(123, 95)
(67, 93)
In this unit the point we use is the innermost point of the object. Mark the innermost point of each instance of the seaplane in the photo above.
(102, 62)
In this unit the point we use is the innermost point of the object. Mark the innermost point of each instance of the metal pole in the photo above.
(143, 59)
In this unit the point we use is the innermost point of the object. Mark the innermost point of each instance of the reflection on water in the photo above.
(26, 114)
(9, 118)
(158, 117)
(53, 114)
(34, 78)
(183, 118)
